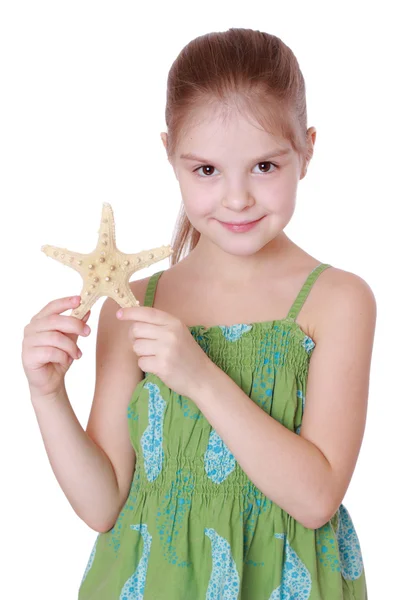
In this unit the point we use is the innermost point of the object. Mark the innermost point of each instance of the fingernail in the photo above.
(119, 313)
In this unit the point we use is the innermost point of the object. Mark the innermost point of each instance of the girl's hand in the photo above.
(49, 346)
(166, 348)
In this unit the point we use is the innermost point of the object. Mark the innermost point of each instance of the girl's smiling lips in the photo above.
(240, 222)
(240, 227)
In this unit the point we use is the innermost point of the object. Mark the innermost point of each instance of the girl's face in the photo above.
(236, 174)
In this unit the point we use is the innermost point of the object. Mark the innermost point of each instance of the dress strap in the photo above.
(305, 290)
(151, 289)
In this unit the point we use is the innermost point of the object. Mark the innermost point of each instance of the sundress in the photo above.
(194, 526)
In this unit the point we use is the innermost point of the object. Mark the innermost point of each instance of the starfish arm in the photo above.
(122, 296)
(126, 298)
(106, 232)
(86, 304)
(75, 260)
(135, 262)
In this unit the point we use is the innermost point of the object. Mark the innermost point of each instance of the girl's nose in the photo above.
(238, 199)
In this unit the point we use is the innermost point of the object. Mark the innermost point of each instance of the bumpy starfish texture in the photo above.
(106, 271)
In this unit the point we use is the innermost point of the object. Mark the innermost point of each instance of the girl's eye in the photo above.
(268, 163)
(210, 167)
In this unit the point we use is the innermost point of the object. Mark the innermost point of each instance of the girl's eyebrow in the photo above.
(272, 154)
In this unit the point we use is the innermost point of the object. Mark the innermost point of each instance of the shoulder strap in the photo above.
(151, 289)
(305, 290)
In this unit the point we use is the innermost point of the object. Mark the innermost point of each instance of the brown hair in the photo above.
(251, 70)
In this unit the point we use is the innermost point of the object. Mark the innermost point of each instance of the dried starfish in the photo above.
(106, 271)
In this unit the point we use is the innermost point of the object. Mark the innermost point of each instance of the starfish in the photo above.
(106, 271)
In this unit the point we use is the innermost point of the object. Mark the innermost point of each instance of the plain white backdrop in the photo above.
(83, 87)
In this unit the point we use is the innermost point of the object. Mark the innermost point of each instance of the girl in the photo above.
(204, 468)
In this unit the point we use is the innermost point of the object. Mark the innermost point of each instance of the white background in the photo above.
(82, 102)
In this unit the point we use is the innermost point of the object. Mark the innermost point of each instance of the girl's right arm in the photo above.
(93, 467)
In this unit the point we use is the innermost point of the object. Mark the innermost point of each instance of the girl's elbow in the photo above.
(321, 516)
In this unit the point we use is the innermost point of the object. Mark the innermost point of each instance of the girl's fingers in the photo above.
(143, 330)
(63, 323)
(41, 355)
(143, 347)
(57, 340)
(58, 306)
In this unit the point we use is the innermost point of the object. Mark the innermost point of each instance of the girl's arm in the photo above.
(307, 475)
(95, 467)
(82, 469)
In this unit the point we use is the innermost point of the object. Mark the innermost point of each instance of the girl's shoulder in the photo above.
(336, 282)
(338, 287)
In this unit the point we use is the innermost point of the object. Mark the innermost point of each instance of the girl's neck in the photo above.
(208, 261)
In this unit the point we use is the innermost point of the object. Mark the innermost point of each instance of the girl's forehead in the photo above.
(208, 124)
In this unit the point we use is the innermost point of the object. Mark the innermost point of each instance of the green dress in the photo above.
(194, 526)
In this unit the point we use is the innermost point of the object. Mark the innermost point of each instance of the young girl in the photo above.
(204, 468)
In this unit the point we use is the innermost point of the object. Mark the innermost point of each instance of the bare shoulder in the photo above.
(345, 279)
(342, 295)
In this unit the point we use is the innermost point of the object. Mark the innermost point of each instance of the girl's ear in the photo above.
(164, 139)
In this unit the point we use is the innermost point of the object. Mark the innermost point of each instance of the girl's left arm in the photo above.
(308, 474)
